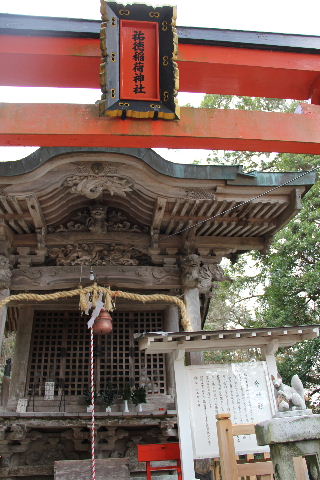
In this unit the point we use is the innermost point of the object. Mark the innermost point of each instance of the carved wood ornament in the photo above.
(98, 219)
(88, 254)
(91, 180)
(194, 273)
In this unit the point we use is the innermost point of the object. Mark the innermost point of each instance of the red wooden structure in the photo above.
(39, 51)
(45, 60)
(157, 452)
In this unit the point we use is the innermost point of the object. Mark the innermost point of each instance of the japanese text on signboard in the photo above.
(242, 390)
(138, 67)
(139, 61)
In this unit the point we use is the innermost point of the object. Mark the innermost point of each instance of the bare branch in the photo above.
(248, 298)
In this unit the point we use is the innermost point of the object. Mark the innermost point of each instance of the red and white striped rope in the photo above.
(93, 428)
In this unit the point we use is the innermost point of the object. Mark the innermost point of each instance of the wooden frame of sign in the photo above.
(138, 74)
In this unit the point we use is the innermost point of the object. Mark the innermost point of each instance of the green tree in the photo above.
(286, 284)
(249, 160)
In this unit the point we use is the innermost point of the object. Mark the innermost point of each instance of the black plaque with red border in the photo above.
(139, 75)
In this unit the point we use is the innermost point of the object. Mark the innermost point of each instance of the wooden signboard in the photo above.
(139, 75)
(242, 389)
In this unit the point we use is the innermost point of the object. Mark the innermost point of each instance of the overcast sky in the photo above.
(283, 16)
(286, 16)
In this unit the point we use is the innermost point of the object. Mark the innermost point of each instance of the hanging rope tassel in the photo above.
(93, 428)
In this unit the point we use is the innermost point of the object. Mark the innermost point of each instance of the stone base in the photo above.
(293, 413)
(107, 469)
(288, 429)
(291, 438)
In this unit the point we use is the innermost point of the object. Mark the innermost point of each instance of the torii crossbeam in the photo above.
(80, 125)
(39, 51)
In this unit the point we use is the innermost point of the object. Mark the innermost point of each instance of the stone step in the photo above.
(157, 477)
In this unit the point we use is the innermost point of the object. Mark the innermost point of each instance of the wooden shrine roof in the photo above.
(46, 190)
(166, 342)
(233, 174)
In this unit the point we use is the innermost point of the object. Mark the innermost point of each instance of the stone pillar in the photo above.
(291, 435)
(171, 324)
(283, 463)
(21, 356)
(192, 301)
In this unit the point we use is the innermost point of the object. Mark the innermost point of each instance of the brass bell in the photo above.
(103, 323)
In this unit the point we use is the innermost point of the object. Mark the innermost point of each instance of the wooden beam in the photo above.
(77, 125)
(295, 206)
(74, 62)
(15, 216)
(243, 71)
(49, 61)
(26, 471)
(243, 429)
(216, 344)
(252, 469)
(140, 240)
(235, 219)
(122, 277)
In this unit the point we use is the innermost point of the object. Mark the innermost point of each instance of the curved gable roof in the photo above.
(232, 174)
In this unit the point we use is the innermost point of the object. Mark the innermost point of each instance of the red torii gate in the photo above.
(38, 51)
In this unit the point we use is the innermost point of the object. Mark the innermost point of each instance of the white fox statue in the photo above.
(289, 398)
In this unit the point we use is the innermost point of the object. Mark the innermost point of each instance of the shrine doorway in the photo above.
(60, 352)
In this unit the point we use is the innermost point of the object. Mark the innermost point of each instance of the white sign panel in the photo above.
(241, 389)
(49, 391)
(22, 405)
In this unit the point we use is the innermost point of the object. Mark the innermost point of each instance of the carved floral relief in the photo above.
(44, 277)
(199, 194)
(98, 219)
(91, 180)
(87, 254)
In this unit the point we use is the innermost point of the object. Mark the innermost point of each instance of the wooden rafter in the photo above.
(35, 211)
(158, 213)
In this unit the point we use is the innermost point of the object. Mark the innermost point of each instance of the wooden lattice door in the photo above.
(60, 351)
(45, 351)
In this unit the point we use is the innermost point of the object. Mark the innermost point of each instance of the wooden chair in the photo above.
(229, 465)
(230, 469)
(159, 452)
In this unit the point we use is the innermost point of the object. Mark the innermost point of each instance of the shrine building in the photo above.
(116, 213)
(120, 213)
